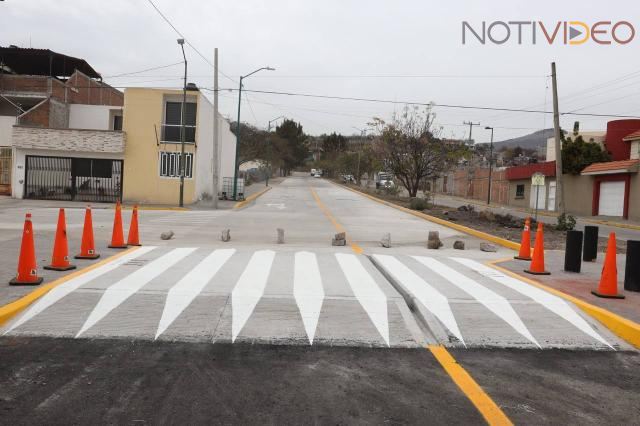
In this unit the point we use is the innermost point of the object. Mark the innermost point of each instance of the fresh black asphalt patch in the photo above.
(67, 381)
(560, 387)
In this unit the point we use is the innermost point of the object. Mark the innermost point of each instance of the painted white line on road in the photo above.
(308, 291)
(548, 300)
(57, 293)
(190, 286)
(490, 299)
(249, 289)
(129, 285)
(428, 296)
(366, 290)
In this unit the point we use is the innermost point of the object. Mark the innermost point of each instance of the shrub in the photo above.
(566, 222)
(417, 204)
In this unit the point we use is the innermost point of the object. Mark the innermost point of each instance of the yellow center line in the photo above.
(491, 412)
(355, 247)
(472, 390)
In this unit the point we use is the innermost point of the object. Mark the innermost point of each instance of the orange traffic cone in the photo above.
(60, 256)
(525, 243)
(117, 236)
(133, 239)
(609, 279)
(537, 262)
(27, 268)
(87, 247)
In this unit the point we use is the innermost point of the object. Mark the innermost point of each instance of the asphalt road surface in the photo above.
(196, 330)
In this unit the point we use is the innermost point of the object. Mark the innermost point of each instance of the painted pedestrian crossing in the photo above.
(301, 297)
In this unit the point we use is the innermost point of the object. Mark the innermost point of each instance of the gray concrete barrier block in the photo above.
(166, 235)
(336, 242)
(280, 236)
(226, 235)
(458, 245)
(488, 247)
(386, 240)
(433, 241)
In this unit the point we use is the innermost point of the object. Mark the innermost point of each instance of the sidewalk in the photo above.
(580, 284)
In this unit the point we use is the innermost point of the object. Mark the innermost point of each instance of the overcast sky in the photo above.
(383, 49)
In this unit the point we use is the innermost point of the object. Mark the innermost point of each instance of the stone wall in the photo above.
(100, 141)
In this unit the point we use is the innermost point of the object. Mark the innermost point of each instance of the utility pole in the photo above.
(490, 164)
(558, 142)
(471, 124)
(182, 129)
(216, 137)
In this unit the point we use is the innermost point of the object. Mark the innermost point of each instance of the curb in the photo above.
(620, 326)
(479, 234)
(12, 309)
(250, 198)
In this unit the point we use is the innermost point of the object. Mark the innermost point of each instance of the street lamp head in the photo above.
(180, 41)
(270, 69)
(488, 128)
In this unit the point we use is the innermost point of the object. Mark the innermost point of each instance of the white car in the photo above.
(313, 172)
(317, 175)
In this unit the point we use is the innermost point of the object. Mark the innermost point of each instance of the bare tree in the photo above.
(410, 147)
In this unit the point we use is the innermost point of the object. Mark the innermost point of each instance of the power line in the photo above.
(144, 70)
(348, 76)
(187, 41)
(439, 105)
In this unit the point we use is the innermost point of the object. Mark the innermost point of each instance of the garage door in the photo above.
(611, 199)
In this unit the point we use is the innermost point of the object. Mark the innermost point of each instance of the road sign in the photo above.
(537, 179)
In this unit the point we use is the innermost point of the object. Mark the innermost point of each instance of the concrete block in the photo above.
(386, 240)
(166, 235)
(341, 236)
(280, 236)
(458, 245)
(336, 242)
(488, 247)
(433, 241)
(226, 235)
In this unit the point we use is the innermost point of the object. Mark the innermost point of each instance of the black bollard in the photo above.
(590, 251)
(632, 268)
(573, 251)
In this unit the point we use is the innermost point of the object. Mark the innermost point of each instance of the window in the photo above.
(117, 122)
(520, 191)
(170, 164)
(171, 126)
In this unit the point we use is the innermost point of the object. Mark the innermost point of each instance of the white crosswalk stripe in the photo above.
(185, 290)
(308, 291)
(249, 289)
(125, 288)
(366, 290)
(428, 296)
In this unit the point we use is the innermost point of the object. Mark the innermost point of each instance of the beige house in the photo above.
(152, 119)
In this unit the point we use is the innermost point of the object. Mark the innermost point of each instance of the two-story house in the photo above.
(152, 122)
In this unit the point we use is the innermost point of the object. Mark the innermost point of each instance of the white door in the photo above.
(552, 196)
(611, 199)
(542, 196)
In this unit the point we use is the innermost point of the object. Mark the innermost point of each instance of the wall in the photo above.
(578, 194)
(616, 130)
(596, 136)
(634, 197)
(143, 109)
(6, 129)
(91, 116)
(204, 138)
(91, 141)
(227, 151)
(19, 159)
(474, 184)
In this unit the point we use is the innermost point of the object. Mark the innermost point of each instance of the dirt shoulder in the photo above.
(504, 226)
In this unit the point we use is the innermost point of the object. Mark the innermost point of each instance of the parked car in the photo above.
(313, 172)
(317, 175)
(384, 180)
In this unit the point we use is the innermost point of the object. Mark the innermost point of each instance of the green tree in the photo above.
(578, 154)
(296, 147)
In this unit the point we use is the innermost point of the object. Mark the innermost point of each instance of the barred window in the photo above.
(172, 117)
(170, 164)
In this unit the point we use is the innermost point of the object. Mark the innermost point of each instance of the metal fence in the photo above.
(81, 179)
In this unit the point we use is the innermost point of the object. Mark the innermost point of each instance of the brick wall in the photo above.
(106, 141)
(36, 116)
(473, 184)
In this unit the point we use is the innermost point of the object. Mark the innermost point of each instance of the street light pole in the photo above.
(266, 181)
(490, 164)
(182, 129)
